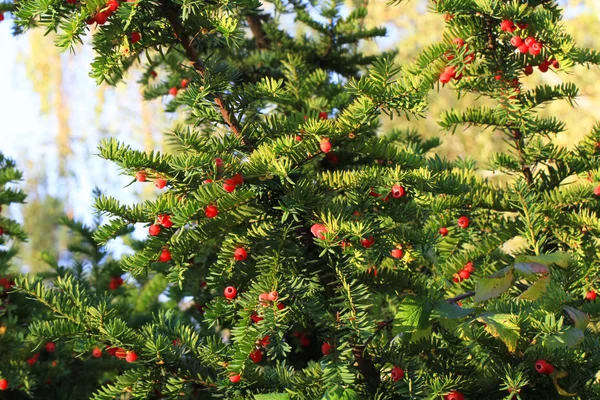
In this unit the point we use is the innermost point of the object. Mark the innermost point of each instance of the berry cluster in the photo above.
(230, 184)
(120, 353)
(101, 16)
(450, 72)
(464, 273)
(182, 85)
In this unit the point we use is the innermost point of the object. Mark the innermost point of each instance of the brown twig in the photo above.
(190, 51)
(255, 24)
(460, 297)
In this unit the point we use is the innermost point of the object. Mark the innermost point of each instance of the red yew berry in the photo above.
(173, 91)
(323, 115)
(445, 78)
(165, 256)
(397, 253)
(450, 70)
(140, 176)
(469, 267)
(111, 350)
(265, 341)
(522, 25)
(597, 191)
(160, 183)
(516, 41)
(458, 42)
(325, 145)
(273, 295)
(464, 274)
(544, 367)
(131, 357)
(102, 17)
(238, 179)
(218, 162)
(50, 347)
(240, 254)
(256, 356)
(326, 349)
(528, 70)
(184, 83)
(530, 41)
(3, 382)
(367, 242)
(153, 74)
(464, 222)
(298, 138)
(96, 353)
(263, 298)
(256, 318)
(523, 48)
(280, 306)
(508, 26)
(135, 37)
(113, 5)
(591, 295)
(398, 191)
(234, 378)
(318, 231)
(154, 230)
(33, 359)
(535, 49)
(90, 21)
(443, 231)
(164, 220)
(230, 292)
(455, 396)
(555, 63)
(397, 374)
(229, 185)
(211, 211)
(543, 67)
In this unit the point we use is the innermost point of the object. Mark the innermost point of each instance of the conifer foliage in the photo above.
(326, 260)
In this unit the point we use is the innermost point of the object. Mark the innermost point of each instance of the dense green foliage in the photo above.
(353, 252)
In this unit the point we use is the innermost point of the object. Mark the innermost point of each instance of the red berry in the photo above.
(160, 183)
(230, 292)
(464, 274)
(455, 396)
(211, 211)
(458, 42)
(523, 48)
(153, 74)
(543, 67)
(298, 138)
(240, 254)
(218, 162)
(263, 298)
(323, 115)
(3, 382)
(256, 318)
(443, 231)
(184, 83)
(165, 256)
(131, 357)
(464, 222)
(325, 145)
(173, 91)
(102, 17)
(397, 373)
(591, 295)
(273, 296)
(397, 253)
(543, 367)
(135, 37)
(535, 49)
(234, 378)
(111, 350)
(50, 347)
(90, 21)
(450, 70)
(154, 230)
(445, 78)
(326, 349)
(265, 341)
(238, 179)
(1, 17)
(530, 41)
(522, 25)
(229, 186)
(97, 353)
(597, 191)
(256, 356)
(508, 26)
(367, 242)
(516, 41)
(469, 267)
(555, 64)
(113, 5)
(280, 306)
(318, 231)
(140, 176)
(208, 181)
(164, 220)
(398, 191)
(528, 70)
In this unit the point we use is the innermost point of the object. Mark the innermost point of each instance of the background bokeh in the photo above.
(52, 115)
